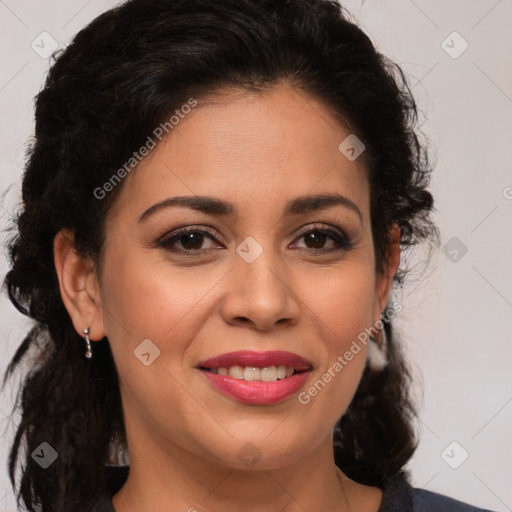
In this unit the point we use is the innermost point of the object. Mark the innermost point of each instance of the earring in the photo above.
(377, 355)
(88, 354)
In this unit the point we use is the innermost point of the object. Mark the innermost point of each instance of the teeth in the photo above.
(237, 372)
(269, 374)
(252, 373)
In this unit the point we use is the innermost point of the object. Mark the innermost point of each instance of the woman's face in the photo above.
(254, 275)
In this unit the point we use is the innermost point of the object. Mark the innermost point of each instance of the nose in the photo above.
(260, 294)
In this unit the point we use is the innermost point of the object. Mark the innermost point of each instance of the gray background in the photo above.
(456, 321)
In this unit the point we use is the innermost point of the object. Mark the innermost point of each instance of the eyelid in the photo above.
(178, 232)
(318, 226)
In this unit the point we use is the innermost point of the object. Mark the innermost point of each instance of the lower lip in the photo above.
(257, 392)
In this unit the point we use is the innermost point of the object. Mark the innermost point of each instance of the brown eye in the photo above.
(315, 239)
(192, 240)
(188, 240)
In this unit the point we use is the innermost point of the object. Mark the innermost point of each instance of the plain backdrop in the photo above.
(457, 315)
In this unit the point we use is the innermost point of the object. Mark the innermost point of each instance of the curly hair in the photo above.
(120, 77)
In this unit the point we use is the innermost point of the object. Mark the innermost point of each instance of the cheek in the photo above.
(342, 303)
(342, 306)
(143, 299)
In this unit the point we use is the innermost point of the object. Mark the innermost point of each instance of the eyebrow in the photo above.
(219, 207)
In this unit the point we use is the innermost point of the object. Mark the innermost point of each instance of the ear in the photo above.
(78, 285)
(386, 273)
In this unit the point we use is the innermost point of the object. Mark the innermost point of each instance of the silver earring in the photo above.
(377, 356)
(88, 353)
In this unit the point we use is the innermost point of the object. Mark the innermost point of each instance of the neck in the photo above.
(174, 480)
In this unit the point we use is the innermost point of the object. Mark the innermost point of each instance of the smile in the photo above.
(257, 378)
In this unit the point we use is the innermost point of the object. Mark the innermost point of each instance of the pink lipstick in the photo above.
(257, 378)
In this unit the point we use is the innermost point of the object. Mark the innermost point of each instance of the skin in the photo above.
(257, 151)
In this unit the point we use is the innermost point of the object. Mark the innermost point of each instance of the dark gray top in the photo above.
(398, 496)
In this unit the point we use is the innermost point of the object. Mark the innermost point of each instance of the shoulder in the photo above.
(426, 501)
(399, 496)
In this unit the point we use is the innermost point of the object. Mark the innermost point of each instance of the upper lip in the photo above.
(257, 359)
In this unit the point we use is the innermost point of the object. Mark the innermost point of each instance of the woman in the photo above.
(214, 209)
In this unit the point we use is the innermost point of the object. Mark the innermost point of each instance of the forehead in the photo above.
(256, 150)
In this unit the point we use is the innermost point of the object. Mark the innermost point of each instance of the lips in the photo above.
(257, 360)
(292, 370)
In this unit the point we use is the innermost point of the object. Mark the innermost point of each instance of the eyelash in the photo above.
(343, 243)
